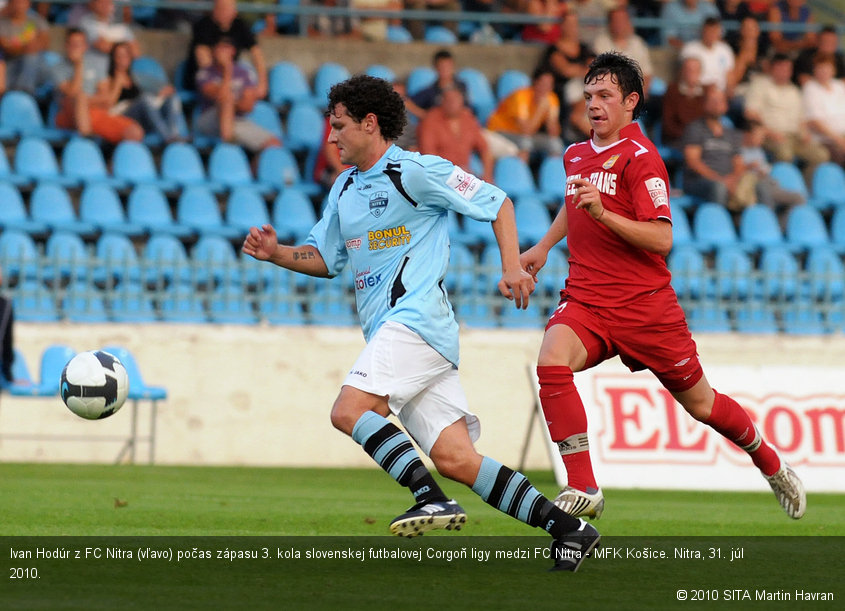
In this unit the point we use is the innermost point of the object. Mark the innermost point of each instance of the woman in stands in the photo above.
(154, 104)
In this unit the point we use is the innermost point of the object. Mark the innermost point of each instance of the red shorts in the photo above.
(650, 333)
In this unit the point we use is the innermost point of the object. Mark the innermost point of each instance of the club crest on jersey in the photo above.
(378, 203)
(609, 163)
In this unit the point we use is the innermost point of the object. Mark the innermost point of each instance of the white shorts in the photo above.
(422, 387)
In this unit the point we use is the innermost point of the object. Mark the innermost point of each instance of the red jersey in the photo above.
(604, 269)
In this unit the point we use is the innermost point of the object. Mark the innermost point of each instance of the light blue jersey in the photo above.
(390, 223)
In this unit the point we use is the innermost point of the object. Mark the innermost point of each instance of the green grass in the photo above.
(55, 506)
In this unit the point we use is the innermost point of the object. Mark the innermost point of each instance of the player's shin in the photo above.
(728, 418)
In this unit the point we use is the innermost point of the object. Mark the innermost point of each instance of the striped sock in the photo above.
(511, 492)
(392, 450)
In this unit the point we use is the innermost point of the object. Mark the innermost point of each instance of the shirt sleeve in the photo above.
(434, 183)
(648, 183)
(326, 237)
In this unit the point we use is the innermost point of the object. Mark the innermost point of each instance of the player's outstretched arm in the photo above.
(516, 284)
(263, 244)
(533, 259)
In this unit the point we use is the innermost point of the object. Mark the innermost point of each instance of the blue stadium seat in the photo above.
(756, 317)
(265, 114)
(67, 257)
(133, 162)
(13, 212)
(20, 117)
(187, 96)
(138, 388)
(53, 361)
(826, 274)
(21, 383)
(82, 162)
(215, 261)
(513, 318)
(554, 272)
(246, 208)
(779, 273)
(327, 75)
(399, 34)
(287, 84)
(305, 128)
(828, 188)
(532, 219)
(100, 205)
(837, 230)
(166, 260)
(381, 71)
(419, 78)
(688, 269)
(474, 313)
(34, 302)
(509, 81)
(461, 275)
(478, 233)
(280, 309)
(759, 227)
(439, 35)
(229, 304)
(198, 209)
(146, 69)
(293, 215)
(278, 170)
(805, 228)
(789, 177)
(712, 227)
(117, 260)
(84, 302)
(551, 179)
(681, 231)
(8, 176)
(19, 257)
(480, 96)
(229, 166)
(708, 317)
(148, 207)
(513, 176)
(456, 231)
(803, 317)
(330, 305)
(181, 163)
(733, 273)
(130, 302)
(181, 303)
(50, 204)
(35, 160)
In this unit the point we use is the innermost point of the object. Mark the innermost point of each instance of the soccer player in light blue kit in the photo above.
(387, 218)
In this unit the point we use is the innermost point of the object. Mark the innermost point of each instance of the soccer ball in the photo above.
(94, 384)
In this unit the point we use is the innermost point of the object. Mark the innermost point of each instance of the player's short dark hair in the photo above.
(363, 94)
(623, 71)
(781, 57)
(74, 30)
(712, 21)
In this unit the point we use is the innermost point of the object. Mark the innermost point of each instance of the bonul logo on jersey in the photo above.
(378, 203)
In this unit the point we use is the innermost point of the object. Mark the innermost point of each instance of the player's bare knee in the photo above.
(458, 466)
(343, 418)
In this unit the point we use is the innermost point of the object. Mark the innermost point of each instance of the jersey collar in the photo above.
(632, 130)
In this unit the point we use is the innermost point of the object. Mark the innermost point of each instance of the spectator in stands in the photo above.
(823, 102)
(718, 64)
(591, 17)
(81, 9)
(683, 102)
(450, 130)
(324, 26)
(228, 92)
(748, 52)
(545, 32)
(828, 40)
(713, 166)
(530, 117)
(375, 28)
(103, 32)
(74, 83)
(425, 99)
(757, 161)
(24, 34)
(576, 127)
(620, 36)
(7, 344)
(775, 102)
(223, 21)
(408, 139)
(683, 20)
(159, 111)
(417, 27)
(792, 12)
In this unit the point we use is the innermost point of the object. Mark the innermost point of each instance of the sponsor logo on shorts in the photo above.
(682, 362)
(353, 243)
(657, 190)
(464, 183)
(378, 203)
(380, 239)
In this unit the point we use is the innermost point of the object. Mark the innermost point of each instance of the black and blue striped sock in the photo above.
(393, 451)
(511, 492)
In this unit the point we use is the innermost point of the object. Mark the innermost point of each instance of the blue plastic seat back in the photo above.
(18, 255)
(480, 96)
(293, 215)
(713, 227)
(278, 168)
(229, 165)
(826, 274)
(551, 179)
(419, 78)
(134, 162)
(53, 360)
(266, 115)
(19, 112)
(759, 227)
(532, 219)
(287, 84)
(83, 159)
(829, 186)
(246, 208)
(688, 271)
(509, 81)
(789, 177)
(327, 75)
(181, 162)
(35, 158)
(779, 273)
(305, 128)
(439, 35)
(805, 228)
(733, 273)
(514, 177)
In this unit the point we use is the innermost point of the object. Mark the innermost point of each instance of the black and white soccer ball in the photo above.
(94, 384)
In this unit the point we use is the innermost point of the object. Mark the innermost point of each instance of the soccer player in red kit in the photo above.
(618, 299)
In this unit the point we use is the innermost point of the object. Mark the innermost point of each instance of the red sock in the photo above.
(729, 419)
(567, 422)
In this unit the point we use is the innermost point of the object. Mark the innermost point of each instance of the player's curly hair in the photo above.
(623, 71)
(363, 94)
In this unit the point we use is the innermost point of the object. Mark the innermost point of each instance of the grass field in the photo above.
(279, 513)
